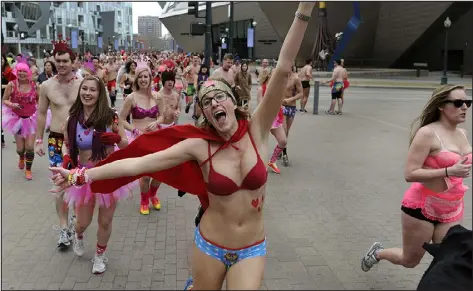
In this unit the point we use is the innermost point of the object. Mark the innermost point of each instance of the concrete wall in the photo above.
(400, 24)
(458, 40)
(179, 24)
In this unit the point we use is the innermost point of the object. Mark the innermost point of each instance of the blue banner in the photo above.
(224, 46)
(74, 40)
(116, 44)
(350, 29)
(99, 42)
(250, 37)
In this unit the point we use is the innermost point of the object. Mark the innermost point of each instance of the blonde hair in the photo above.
(431, 112)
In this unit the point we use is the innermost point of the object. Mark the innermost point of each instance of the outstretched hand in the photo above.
(59, 179)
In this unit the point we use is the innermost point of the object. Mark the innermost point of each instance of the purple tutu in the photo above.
(16, 125)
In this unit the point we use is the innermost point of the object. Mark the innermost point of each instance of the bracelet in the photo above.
(78, 177)
(135, 131)
(302, 16)
(39, 140)
(446, 172)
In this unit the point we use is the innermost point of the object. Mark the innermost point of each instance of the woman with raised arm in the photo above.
(224, 163)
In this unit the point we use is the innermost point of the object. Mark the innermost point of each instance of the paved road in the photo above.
(342, 192)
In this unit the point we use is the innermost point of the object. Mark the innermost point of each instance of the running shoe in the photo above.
(28, 175)
(369, 260)
(78, 246)
(156, 203)
(21, 163)
(99, 264)
(64, 239)
(274, 168)
(285, 160)
(144, 209)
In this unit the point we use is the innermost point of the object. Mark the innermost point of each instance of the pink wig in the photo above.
(22, 67)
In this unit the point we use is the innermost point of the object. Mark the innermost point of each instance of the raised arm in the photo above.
(267, 110)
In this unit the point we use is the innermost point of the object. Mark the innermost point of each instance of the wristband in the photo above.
(302, 16)
(39, 140)
(78, 177)
(136, 131)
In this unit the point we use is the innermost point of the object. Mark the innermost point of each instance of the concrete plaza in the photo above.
(341, 193)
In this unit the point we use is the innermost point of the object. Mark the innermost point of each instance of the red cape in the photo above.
(186, 177)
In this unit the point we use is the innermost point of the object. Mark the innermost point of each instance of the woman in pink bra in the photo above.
(439, 159)
(19, 115)
(224, 163)
(146, 115)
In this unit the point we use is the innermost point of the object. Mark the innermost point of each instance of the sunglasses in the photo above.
(459, 102)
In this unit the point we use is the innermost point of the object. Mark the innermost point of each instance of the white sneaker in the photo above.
(78, 246)
(99, 264)
(63, 240)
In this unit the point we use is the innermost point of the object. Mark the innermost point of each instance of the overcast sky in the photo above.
(145, 9)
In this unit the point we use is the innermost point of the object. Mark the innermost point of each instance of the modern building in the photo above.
(109, 20)
(149, 26)
(391, 34)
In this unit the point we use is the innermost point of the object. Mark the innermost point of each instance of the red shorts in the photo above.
(111, 84)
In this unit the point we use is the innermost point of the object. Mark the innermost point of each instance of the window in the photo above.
(80, 4)
(98, 8)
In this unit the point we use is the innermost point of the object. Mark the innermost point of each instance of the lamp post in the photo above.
(447, 23)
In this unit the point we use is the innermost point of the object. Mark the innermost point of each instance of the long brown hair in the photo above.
(431, 112)
(239, 113)
(101, 117)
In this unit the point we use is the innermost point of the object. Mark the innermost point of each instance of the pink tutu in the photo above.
(75, 196)
(16, 125)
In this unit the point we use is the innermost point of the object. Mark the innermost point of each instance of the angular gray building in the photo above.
(390, 34)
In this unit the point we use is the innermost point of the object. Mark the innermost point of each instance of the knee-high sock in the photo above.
(153, 190)
(276, 152)
(21, 155)
(29, 160)
(144, 198)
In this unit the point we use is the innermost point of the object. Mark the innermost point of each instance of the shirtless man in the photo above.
(169, 97)
(264, 67)
(337, 88)
(98, 70)
(58, 93)
(305, 74)
(111, 72)
(292, 93)
(189, 74)
(225, 71)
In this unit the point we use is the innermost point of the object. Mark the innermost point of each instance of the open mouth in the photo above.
(220, 116)
(463, 115)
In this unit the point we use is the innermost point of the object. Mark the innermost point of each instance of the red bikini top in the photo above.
(220, 185)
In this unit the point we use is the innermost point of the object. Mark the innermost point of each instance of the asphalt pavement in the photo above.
(341, 193)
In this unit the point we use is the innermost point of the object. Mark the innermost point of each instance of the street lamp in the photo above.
(447, 23)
